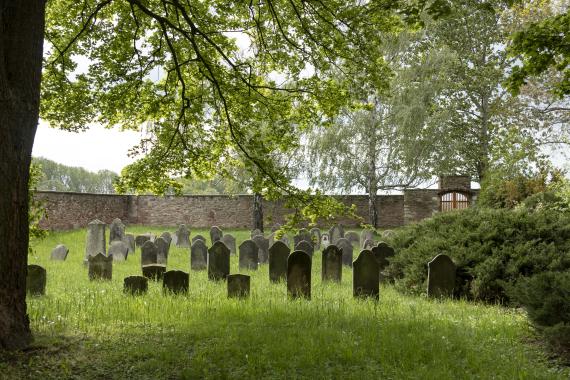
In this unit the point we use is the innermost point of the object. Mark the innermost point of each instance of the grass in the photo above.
(91, 330)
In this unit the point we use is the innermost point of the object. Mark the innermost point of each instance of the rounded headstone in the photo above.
(59, 253)
(278, 255)
(248, 255)
(299, 275)
(365, 276)
(218, 261)
(119, 250)
(332, 264)
(36, 280)
(199, 255)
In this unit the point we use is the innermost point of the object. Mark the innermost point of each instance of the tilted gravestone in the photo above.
(198, 237)
(149, 253)
(162, 249)
(183, 236)
(336, 232)
(238, 286)
(218, 261)
(135, 285)
(100, 267)
(263, 244)
(116, 230)
(230, 241)
(255, 232)
(119, 250)
(95, 241)
(176, 281)
(347, 249)
(316, 237)
(199, 255)
(325, 242)
(153, 271)
(278, 254)
(368, 244)
(352, 237)
(365, 276)
(167, 237)
(299, 275)
(129, 240)
(59, 253)
(367, 234)
(332, 264)
(248, 255)
(215, 234)
(441, 277)
(305, 246)
(36, 280)
(141, 239)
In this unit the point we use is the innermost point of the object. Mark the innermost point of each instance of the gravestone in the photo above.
(285, 240)
(218, 261)
(176, 281)
(263, 244)
(278, 254)
(238, 286)
(95, 241)
(368, 244)
(162, 249)
(100, 267)
(255, 232)
(441, 277)
(198, 237)
(271, 239)
(383, 252)
(367, 234)
(248, 255)
(119, 250)
(336, 232)
(59, 253)
(183, 236)
(305, 246)
(167, 238)
(332, 264)
(275, 227)
(215, 234)
(316, 237)
(365, 280)
(129, 240)
(135, 285)
(174, 239)
(325, 242)
(149, 253)
(153, 271)
(141, 239)
(116, 230)
(36, 280)
(199, 255)
(230, 241)
(299, 275)
(302, 234)
(347, 249)
(352, 237)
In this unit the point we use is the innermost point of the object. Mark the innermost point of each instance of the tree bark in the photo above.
(21, 45)
(258, 212)
(372, 188)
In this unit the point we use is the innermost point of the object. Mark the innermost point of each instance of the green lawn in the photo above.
(88, 330)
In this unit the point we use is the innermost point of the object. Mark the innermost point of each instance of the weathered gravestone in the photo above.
(167, 238)
(255, 233)
(218, 261)
(305, 246)
(278, 255)
(183, 236)
(367, 234)
(441, 277)
(382, 252)
(325, 242)
(141, 239)
(215, 234)
(238, 286)
(230, 241)
(347, 249)
(365, 280)
(263, 245)
(59, 253)
(332, 264)
(162, 249)
(149, 253)
(199, 255)
(36, 280)
(95, 242)
(368, 244)
(153, 271)
(176, 281)
(285, 240)
(248, 255)
(299, 275)
(336, 232)
(316, 237)
(116, 230)
(100, 267)
(352, 237)
(129, 240)
(119, 250)
(135, 285)
(198, 237)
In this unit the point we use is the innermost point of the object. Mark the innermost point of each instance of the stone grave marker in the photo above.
(347, 249)
(383, 252)
(119, 250)
(183, 236)
(215, 234)
(316, 237)
(368, 244)
(285, 240)
(230, 241)
(271, 239)
(218, 261)
(199, 255)
(255, 232)
(299, 275)
(129, 240)
(149, 253)
(167, 237)
(141, 239)
(263, 244)
(100, 267)
(174, 239)
(441, 277)
(95, 241)
(135, 285)
(248, 255)
(59, 253)
(305, 246)
(238, 286)
(116, 230)
(278, 255)
(36, 280)
(336, 232)
(176, 281)
(325, 242)
(198, 237)
(367, 234)
(365, 276)
(332, 264)
(162, 249)
(154, 271)
(352, 237)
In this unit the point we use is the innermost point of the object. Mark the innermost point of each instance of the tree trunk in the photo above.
(372, 187)
(21, 44)
(372, 210)
(258, 212)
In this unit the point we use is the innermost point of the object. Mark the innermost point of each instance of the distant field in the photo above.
(89, 330)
